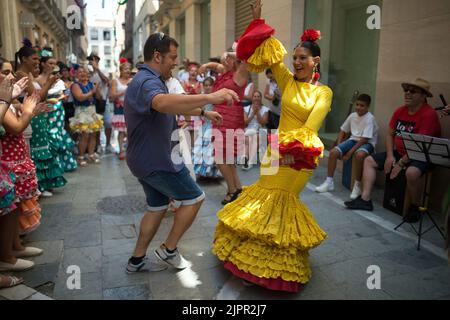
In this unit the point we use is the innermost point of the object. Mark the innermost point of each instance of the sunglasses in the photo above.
(412, 90)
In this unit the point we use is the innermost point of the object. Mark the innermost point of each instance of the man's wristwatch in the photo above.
(401, 164)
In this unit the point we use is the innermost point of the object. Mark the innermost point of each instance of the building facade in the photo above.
(143, 25)
(129, 27)
(41, 21)
(100, 35)
(106, 34)
(368, 46)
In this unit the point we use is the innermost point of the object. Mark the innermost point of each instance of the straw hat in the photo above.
(420, 83)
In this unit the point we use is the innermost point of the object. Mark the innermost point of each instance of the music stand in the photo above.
(434, 151)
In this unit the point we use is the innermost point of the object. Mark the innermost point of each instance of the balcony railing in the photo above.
(50, 14)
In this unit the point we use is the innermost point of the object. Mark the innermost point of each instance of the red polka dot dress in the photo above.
(16, 159)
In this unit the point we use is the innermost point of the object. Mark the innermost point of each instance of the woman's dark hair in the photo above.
(209, 79)
(313, 47)
(365, 98)
(269, 71)
(62, 66)
(26, 51)
(158, 42)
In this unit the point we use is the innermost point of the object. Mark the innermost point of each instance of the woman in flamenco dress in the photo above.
(265, 235)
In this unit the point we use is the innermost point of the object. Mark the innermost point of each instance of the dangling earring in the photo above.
(316, 75)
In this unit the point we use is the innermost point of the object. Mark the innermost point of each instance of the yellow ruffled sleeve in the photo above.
(270, 54)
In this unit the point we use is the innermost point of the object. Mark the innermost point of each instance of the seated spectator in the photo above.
(256, 116)
(248, 94)
(417, 117)
(273, 94)
(362, 128)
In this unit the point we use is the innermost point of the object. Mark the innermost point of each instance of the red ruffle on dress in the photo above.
(255, 34)
(232, 128)
(16, 159)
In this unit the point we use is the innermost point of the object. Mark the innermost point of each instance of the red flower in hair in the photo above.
(123, 60)
(311, 35)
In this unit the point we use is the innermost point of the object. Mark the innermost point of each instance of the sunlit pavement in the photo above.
(92, 223)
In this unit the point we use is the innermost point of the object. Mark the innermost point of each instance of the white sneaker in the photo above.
(356, 192)
(175, 259)
(325, 187)
(46, 194)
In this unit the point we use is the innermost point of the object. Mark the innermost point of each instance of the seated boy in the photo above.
(362, 128)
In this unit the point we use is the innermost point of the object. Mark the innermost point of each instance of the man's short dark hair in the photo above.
(158, 42)
(365, 98)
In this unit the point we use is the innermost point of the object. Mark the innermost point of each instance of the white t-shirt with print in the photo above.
(362, 127)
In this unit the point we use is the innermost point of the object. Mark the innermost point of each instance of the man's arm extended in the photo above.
(184, 104)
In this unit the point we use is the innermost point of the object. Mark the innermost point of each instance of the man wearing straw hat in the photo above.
(415, 116)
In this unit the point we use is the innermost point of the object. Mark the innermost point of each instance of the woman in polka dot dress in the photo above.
(7, 178)
(49, 170)
(16, 159)
(61, 144)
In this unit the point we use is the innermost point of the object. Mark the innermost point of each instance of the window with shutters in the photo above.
(243, 14)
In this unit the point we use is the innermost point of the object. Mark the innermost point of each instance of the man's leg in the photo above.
(149, 226)
(359, 165)
(371, 164)
(369, 177)
(184, 218)
(414, 185)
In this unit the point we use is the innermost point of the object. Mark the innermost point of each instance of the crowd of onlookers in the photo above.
(52, 115)
(51, 118)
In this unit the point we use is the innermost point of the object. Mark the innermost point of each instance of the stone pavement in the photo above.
(93, 222)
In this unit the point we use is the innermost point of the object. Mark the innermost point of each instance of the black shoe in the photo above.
(359, 204)
(413, 215)
(230, 197)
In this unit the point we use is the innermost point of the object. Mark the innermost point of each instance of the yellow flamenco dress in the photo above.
(264, 236)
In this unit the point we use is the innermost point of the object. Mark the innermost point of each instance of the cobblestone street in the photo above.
(93, 223)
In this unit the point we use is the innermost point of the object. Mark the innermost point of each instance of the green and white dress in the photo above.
(48, 168)
(60, 142)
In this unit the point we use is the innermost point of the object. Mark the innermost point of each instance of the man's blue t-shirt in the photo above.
(150, 132)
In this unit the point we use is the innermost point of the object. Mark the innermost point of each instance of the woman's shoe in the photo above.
(82, 162)
(93, 158)
(9, 281)
(230, 197)
(46, 194)
(20, 265)
(29, 252)
(122, 156)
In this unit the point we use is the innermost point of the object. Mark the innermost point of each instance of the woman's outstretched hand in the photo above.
(257, 9)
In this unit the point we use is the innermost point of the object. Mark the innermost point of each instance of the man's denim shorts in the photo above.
(346, 146)
(161, 186)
